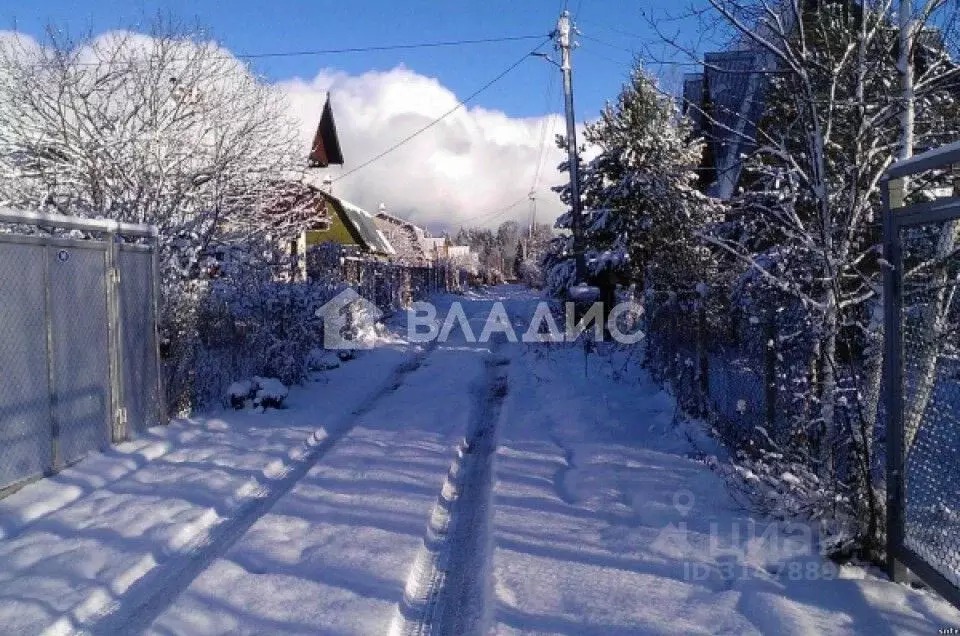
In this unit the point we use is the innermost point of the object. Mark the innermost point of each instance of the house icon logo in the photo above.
(348, 321)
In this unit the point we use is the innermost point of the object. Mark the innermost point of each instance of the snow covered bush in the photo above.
(260, 392)
(530, 273)
(239, 392)
(269, 393)
(322, 360)
(788, 486)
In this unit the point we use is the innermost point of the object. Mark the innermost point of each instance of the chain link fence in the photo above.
(77, 340)
(745, 373)
(929, 430)
(922, 369)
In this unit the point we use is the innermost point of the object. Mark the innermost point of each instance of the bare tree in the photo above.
(164, 128)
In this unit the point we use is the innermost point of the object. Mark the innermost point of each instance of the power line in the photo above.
(633, 52)
(488, 216)
(607, 27)
(612, 46)
(436, 121)
(313, 52)
(576, 12)
(389, 47)
(608, 58)
(548, 122)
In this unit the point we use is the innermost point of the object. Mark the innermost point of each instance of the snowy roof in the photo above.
(362, 221)
(403, 235)
(420, 232)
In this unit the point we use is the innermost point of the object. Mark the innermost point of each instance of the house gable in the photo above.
(325, 149)
(351, 225)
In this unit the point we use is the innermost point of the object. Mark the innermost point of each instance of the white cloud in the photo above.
(463, 170)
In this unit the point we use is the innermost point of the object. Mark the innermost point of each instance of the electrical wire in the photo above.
(548, 122)
(576, 13)
(602, 56)
(389, 47)
(436, 121)
(313, 52)
(612, 46)
(632, 52)
(486, 217)
(606, 27)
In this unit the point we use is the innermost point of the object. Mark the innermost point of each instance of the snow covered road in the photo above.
(333, 555)
(464, 488)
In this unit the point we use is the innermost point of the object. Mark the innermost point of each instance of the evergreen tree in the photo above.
(642, 210)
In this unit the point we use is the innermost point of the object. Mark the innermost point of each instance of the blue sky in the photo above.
(253, 26)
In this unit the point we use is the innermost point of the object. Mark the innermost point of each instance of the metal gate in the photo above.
(922, 305)
(78, 345)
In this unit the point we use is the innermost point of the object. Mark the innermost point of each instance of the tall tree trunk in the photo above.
(828, 385)
(905, 66)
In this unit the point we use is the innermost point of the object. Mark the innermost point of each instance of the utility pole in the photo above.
(906, 78)
(533, 213)
(562, 34)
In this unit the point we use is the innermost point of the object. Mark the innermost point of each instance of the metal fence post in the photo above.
(894, 380)
(163, 416)
(56, 458)
(118, 423)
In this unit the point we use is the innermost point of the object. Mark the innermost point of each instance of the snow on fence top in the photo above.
(933, 158)
(21, 217)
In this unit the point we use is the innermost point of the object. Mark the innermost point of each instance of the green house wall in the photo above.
(338, 232)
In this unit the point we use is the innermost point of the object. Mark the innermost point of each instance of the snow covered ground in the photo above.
(462, 488)
(94, 545)
(607, 523)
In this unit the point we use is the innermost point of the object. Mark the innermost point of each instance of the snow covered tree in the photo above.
(805, 222)
(165, 128)
(642, 211)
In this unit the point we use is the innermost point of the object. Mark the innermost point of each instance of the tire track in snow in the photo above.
(560, 477)
(450, 582)
(139, 595)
